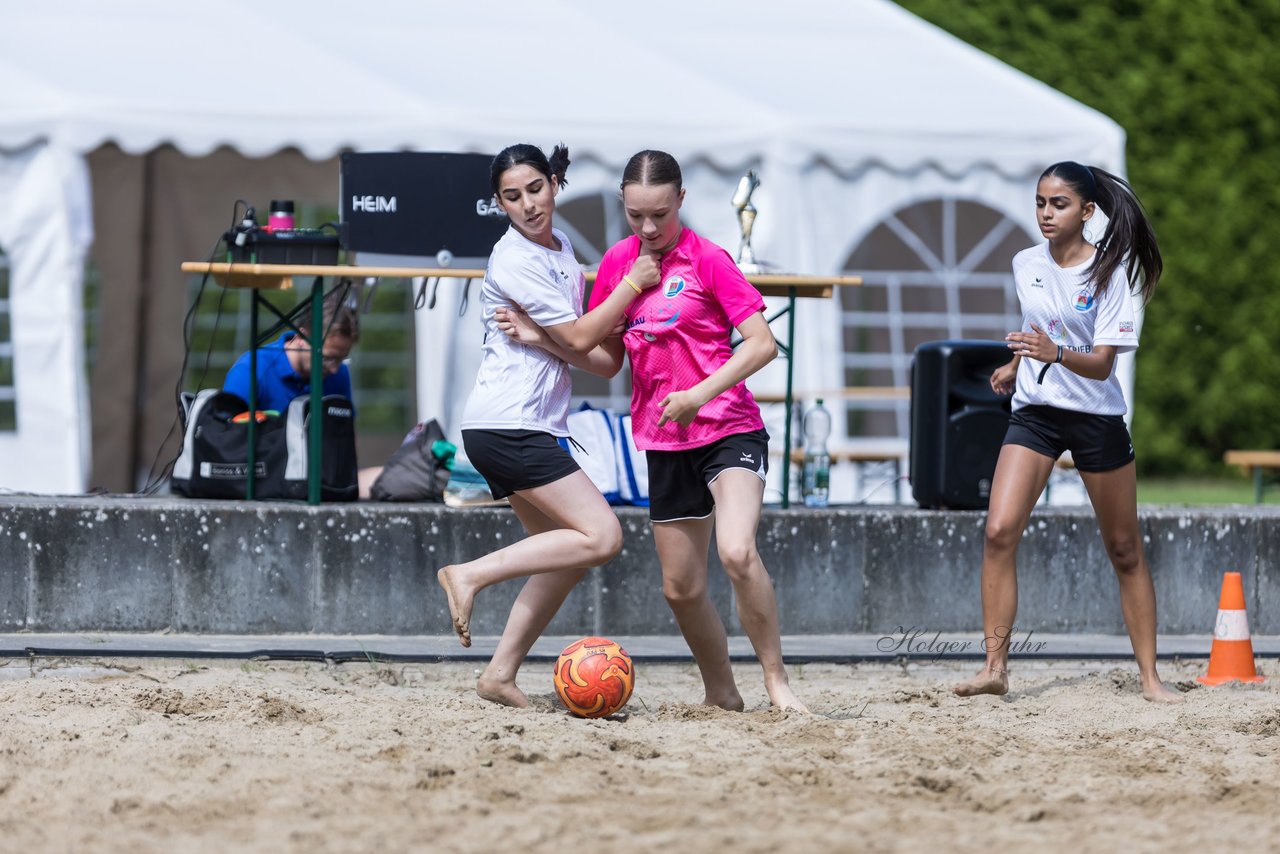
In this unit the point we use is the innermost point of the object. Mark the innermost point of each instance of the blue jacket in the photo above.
(278, 383)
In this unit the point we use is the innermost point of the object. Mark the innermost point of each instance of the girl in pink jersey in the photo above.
(1077, 316)
(704, 440)
(518, 408)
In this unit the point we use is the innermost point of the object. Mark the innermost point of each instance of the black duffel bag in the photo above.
(214, 461)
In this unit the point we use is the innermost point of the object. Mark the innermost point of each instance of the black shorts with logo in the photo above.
(680, 481)
(1096, 442)
(516, 460)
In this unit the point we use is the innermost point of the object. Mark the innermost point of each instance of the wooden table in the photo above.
(1256, 461)
(258, 277)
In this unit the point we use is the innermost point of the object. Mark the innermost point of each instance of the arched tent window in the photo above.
(936, 269)
(8, 398)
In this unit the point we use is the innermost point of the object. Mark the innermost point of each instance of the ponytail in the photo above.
(1128, 239)
(530, 155)
(559, 163)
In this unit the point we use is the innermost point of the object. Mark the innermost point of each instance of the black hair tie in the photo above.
(1045, 369)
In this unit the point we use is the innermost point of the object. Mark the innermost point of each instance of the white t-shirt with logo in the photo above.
(1063, 305)
(522, 387)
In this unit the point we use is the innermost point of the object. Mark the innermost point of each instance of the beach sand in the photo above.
(152, 755)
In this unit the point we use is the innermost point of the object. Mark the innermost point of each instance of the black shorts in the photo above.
(516, 460)
(1096, 442)
(680, 481)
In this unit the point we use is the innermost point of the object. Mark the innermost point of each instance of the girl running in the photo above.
(1077, 317)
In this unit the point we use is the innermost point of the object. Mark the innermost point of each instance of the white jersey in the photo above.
(1060, 302)
(521, 387)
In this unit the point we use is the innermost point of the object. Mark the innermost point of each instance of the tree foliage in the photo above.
(1196, 86)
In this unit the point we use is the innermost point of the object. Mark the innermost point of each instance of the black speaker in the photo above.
(957, 422)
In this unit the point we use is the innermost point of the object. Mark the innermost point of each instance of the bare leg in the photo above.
(682, 550)
(739, 495)
(586, 534)
(1114, 495)
(538, 602)
(1021, 475)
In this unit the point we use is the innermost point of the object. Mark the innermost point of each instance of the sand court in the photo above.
(148, 755)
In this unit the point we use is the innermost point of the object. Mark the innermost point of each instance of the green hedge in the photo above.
(1196, 86)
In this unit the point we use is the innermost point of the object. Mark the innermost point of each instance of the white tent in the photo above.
(848, 109)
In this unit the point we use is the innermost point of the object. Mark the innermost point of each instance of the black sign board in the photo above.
(418, 204)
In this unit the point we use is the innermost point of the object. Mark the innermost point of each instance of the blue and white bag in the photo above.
(593, 448)
(633, 471)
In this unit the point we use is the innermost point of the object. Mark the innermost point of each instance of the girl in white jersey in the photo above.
(518, 408)
(704, 440)
(1077, 316)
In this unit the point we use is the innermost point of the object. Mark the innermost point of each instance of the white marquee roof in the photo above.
(847, 82)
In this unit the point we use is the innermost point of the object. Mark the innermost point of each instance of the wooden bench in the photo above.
(1258, 462)
(873, 392)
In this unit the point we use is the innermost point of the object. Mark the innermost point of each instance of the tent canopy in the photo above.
(847, 83)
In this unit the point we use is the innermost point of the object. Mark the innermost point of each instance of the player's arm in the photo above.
(758, 348)
(604, 360)
(585, 333)
(1039, 346)
(1094, 366)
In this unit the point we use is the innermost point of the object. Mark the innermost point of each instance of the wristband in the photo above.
(633, 285)
(1058, 361)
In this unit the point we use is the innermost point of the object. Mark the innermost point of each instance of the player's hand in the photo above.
(645, 272)
(1004, 377)
(681, 407)
(518, 326)
(1035, 345)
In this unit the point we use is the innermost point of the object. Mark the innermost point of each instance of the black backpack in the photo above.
(214, 461)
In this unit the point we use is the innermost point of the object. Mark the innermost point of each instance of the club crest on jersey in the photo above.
(1083, 301)
(672, 286)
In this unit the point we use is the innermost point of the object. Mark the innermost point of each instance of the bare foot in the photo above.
(459, 607)
(730, 701)
(781, 695)
(502, 693)
(989, 680)
(1156, 692)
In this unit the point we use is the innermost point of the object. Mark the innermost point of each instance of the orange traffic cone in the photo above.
(1231, 657)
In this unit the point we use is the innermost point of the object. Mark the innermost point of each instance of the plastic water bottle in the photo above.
(817, 460)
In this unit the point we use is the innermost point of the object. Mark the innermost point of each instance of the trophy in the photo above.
(746, 259)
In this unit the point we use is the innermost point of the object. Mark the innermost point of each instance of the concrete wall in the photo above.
(115, 564)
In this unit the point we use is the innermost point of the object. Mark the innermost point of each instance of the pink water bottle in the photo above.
(281, 216)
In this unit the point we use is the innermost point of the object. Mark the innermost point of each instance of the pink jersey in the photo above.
(678, 335)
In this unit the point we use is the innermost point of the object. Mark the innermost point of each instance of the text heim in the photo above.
(373, 204)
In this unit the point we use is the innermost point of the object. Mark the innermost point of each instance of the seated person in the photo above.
(284, 365)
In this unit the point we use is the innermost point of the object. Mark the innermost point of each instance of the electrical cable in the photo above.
(156, 479)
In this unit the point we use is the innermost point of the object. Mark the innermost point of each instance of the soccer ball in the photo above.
(594, 677)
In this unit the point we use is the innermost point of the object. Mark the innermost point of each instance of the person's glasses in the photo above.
(332, 361)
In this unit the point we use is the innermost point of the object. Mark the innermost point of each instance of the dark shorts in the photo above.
(516, 460)
(680, 481)
(1096, 442)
